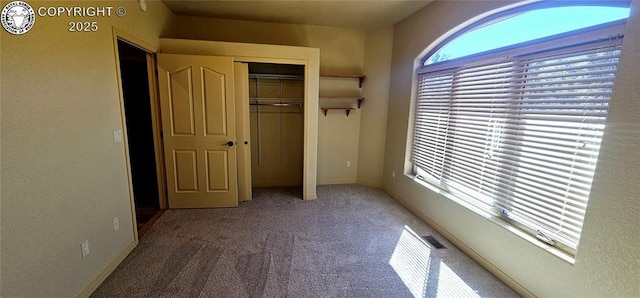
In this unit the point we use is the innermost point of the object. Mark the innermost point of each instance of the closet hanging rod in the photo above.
(294, 99)
(278, 104)
(275, 76)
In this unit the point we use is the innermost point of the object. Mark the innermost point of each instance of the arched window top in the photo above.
(527, 26)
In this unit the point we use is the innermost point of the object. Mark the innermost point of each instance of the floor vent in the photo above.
(433, 241)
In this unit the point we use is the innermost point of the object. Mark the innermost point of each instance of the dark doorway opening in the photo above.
(137, 107)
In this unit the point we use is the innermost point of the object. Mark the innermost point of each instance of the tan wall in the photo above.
(64, 179)
(338, 137)
(607, 261)
(342, 51)
(338, 134)
(377, 67)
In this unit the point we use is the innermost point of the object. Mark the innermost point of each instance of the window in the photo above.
(548, 22)
(515, 129)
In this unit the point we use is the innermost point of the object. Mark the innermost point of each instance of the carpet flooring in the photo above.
(353, 241)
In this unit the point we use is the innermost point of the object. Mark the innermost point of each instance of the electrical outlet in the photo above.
(348, 163)
(393, 174)
(116, 224)
(85, 249)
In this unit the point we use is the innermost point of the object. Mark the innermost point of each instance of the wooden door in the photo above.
(199, 130)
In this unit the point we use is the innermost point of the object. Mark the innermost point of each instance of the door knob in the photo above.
(230, 144)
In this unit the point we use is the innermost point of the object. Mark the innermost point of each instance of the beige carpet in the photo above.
(353, 241)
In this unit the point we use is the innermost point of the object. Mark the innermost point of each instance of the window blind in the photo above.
(519, 136)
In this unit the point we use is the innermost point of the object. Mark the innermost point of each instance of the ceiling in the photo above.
(363, 14)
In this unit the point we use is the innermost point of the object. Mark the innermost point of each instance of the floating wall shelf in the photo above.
(348, 110)
(360, 100)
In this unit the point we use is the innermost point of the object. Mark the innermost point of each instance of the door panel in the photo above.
(215, 105)
(217, 178)
(186, 170)
(198, 105)
(180, 84)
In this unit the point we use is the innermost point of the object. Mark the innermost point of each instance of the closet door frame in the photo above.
(276, 54)
(247, 157)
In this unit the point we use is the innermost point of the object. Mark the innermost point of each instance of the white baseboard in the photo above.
(94, 284)
(374, 184)
(521, 290)
(337, 181)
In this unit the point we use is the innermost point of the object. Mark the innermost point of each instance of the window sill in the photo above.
(496, 220)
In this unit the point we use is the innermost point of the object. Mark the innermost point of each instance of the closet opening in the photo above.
(276, 108)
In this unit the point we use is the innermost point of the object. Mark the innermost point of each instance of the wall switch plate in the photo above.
(348, 163)
(393, 174)
(117, 136)
(116, 224)
(85, 249)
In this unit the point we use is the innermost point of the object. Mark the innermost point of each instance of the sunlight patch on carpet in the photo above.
(411, 259)
(451, 285)
(423, 272)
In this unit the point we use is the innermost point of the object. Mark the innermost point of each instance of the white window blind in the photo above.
(519, 136)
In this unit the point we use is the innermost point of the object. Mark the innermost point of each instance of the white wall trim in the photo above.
(336, 181)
